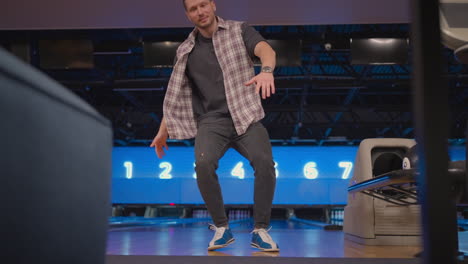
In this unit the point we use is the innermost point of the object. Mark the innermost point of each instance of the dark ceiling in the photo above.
(325, 101)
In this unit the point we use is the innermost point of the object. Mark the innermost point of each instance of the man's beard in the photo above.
(207, 25)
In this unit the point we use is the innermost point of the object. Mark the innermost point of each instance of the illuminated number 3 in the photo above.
(195, 173)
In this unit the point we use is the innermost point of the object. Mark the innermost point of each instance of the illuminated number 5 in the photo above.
(238, 170)
(167, 170)
(348, 166)
(276, 169)
(310, 170)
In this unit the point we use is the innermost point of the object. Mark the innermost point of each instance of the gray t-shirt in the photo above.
(206, 77)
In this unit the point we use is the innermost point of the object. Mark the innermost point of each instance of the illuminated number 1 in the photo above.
(348, 166)
(310, 170)
(238, 170)
(167, 170)
(129, 169)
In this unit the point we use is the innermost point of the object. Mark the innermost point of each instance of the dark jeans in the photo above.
(214, 137)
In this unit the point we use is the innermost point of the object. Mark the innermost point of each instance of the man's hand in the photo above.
(264, 82)
(158, 143)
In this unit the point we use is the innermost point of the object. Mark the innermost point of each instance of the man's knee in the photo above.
(262, 162)
(204, 163)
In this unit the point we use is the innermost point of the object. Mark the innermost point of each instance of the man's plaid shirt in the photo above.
(243, 102)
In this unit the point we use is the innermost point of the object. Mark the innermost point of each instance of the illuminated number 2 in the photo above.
(166, 174)
(238, 170)
(310, 170)
(348, 166)
(129, 169)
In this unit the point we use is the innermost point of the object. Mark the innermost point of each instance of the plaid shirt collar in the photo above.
(221, 25)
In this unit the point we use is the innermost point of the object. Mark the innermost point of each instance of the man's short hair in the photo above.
(183, 2)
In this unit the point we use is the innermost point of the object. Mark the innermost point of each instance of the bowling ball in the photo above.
(410, 160)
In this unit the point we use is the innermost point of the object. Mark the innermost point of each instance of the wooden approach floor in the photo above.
(295, 240)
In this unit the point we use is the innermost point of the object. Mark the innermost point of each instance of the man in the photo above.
(213, 95)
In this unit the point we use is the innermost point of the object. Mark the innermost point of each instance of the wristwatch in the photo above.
(267, 69)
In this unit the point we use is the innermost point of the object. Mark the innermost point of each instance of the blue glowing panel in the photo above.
(457, 153)
(305, 175)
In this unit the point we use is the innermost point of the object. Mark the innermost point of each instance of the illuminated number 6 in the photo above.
(310, 170)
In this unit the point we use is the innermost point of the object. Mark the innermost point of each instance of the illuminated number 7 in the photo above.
(167, 170)
(348, 166)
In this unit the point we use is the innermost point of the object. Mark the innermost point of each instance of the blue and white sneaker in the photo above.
(222, 237)
(263, 241)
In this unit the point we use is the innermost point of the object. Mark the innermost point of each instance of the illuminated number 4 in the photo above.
(238, 170)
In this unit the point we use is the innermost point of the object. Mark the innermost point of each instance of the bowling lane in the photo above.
(191, 239)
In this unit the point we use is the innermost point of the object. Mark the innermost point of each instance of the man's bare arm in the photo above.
(264, 81)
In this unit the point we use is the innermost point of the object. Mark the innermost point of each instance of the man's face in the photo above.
(201, 12)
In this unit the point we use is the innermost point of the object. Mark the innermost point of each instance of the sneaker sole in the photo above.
(221, 246)
(264, 249)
